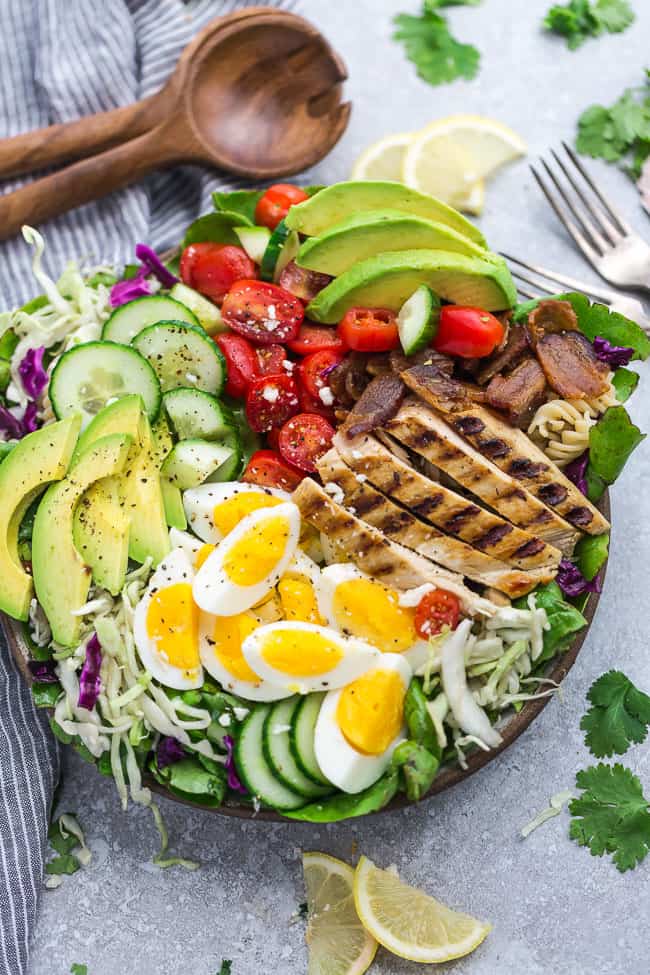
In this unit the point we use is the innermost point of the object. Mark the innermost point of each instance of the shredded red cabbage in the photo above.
(124, 291)
(32, 373)
(89, 680)
(613, 355)
(233, 780)
(18, 427)
(168, 752)
(576, 471)
(154, 265)
(572, 582)
(43, 671)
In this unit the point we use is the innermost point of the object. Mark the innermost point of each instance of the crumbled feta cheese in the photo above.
(270, 394)
(288, 365)
(326, 395)
(240, 713)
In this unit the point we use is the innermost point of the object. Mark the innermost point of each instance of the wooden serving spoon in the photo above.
(256, 93)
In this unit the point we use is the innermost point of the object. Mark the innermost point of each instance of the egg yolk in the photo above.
(227, 514)
(229, 634)
(173, 625)
(370, 712)
(202, 554)
(300, 653)
(298, 601)
(370, 611)
(254, 556)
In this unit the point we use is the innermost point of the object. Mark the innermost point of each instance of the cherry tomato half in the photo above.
(270, 359)
(241, 363)
(314, 371)
(261, 312)
(212, 269)
(274, 205)
(369, 329)
(468, 332)
(315, 338)
(436, 609)
(303, 439)
(267, 469)
(270, 401)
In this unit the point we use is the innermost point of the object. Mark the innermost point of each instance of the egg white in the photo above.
(262, 690)
(350, 770)
(174, 568)
(190, 545)
(200, 502)
(214, 592)
(357, 658)
(330, 578)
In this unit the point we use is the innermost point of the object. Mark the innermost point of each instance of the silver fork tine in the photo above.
(596, 237)
(535, 284)
(605, 225)
(579, 238)
(614, 214)
(563, 279)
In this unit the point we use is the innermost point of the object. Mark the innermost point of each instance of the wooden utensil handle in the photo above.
(85, 181)
(58, 144)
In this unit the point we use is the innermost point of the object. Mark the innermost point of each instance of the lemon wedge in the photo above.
(408, 922)
(383, 159)
(490, 143)
(338, 942)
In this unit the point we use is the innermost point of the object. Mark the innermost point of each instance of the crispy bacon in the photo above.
(519, 393)
(426, 357)
(302, 283)
(550, 317)
(505, 358)
(378, 403)
(571, 366)
(440, 390)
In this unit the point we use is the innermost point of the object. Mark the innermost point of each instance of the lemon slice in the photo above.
(442, 167)
(408, 922)
(338, 942)
(383, 159)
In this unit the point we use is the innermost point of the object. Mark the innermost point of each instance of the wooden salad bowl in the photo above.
(450, 775)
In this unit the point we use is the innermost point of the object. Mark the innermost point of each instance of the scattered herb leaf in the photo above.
(226, 967)
(621, 131)
(619, 715)
(580, 19)
(77, 969)
(429, 44)
(611, 815)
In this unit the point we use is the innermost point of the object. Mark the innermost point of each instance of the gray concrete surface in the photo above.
(554, 908)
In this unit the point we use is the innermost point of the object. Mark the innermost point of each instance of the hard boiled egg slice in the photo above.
(196, 550)
(360, 726)
(303, 657)
(249, 562)
(220, 645)
(213, 510)
(297, 590)
(357, 604)
(166, 625)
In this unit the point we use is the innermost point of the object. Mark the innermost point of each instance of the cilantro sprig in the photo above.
(618, 717)
(430, 45)
(620, 132)
(580, 19)
(612, 815)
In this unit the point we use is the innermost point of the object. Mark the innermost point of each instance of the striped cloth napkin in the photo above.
(59, 60)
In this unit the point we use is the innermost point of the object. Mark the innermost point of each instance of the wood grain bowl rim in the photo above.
(450, 775)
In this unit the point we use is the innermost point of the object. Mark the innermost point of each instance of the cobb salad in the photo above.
(298, 516)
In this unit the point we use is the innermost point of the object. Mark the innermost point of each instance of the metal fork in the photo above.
(605, 238)
(532, 287)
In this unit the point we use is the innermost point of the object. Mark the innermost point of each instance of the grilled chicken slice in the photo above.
(375, 554)
(403, 527)
(515, 454)
(450, 512)
(421, 429)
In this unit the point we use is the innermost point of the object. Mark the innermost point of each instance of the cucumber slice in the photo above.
(254, 240)
(277, 750)
(182, 355)
(207, 313)
(191, 462)
(287, 254)
(253, 769)
(418, 319)
(301, 736)
(127, 320)
(87, 376)
(195, 413)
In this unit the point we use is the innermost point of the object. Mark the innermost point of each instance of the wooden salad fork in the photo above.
(257, 93)
(603, 235)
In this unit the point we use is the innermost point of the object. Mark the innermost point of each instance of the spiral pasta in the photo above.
(561, 427)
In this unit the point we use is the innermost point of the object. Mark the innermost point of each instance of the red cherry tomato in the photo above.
(308, 404)
(241, 363)
(468, 332)
(267, 469)
(274, 205)
(303, 439)
(314, 371)
(270, 401)
(263, 313)
(272, 438)
(437, 609)
(212, 269)
(270, 360)
(315, 338)
(369, 329)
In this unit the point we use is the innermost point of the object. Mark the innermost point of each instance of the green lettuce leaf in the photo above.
(611, 441)
(418, 720)
(624, 382)
(418, 767)
(372, 799)
(591, 554)
(564, 619)
(214, 227)
(240, 202)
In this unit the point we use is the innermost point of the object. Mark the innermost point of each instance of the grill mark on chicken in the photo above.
(439, 504)
(469, 425)
(530, 548)
(553, 494)
(493, 448)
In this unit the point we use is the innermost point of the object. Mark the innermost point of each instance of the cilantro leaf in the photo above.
(620, 131)
(611, 815)
(619, 715)
(581, 19)
(614, 15)
(429, 44)
(611, 441)
(226, 966)
(76, 969)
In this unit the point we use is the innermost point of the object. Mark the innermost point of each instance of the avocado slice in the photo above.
(143, 500)
(172, 494)
(341, 200)
(37, 460)
(374, 232)
(387, 280)
(61, 577)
